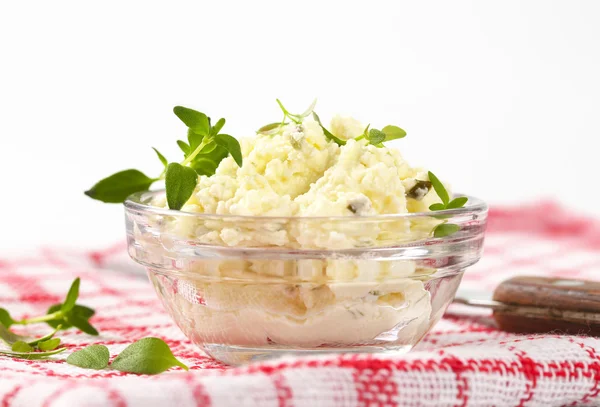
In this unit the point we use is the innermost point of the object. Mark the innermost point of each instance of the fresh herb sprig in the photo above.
(21, 344)
(59, 316)
(146, 356)
(374, 136)
(444, 229)
(277, 127)
(378, 137)
(327, 133)
(206, 147)
(32, 355)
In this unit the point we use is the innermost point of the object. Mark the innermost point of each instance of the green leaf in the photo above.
(457, 202)
(439, 188)
(50, 344)
(77, 317)
(283, 109)
(59, 321)
(215, 157)
(81, 323)
(445, 229)
(209, 148)
(271, 128)
(308, 111)
(72, 296)
(146, 356)
(195, 120)
(44, 338)
(5, 318)
(161, 157)
(376, 136)
(79, 310)
(204, 166)
(437, 207)
(32, 355)
(327, 133)
(184, 147)
(231, 145)
(20, 346)
(180, 183)
(217, 127)
(194, 139)
(117, 187)
(393, 132)
(83, 311)
(9, 337)
(218, 154)
(91, 357)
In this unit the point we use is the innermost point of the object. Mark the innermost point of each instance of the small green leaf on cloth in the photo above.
(32, 355)
(44, 338)
(20, 346)
(9, 337)
(82, 324)
(146, 356)
(5, 318)
(80, 310)
(50, 344)
(91, 357)
(72, 296)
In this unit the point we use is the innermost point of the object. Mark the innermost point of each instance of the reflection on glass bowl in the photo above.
(247, 288)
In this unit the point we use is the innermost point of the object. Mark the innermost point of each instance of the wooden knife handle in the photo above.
(540, 304)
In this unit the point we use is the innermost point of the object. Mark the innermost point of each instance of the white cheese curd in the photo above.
(364, 179)
(346, 128)
(299, 173)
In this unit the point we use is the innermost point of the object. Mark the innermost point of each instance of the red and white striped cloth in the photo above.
(465, 361)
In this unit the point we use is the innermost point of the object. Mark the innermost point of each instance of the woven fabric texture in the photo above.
(464, 361)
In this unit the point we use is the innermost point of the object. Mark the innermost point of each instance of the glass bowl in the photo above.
(247, 288)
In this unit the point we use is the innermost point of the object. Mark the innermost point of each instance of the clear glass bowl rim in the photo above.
(135, 202)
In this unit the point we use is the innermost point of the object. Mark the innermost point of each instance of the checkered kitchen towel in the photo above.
(465, 361)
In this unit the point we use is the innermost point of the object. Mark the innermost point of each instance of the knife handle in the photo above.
(562, 305)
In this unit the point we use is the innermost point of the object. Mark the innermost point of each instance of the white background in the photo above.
(501, 98)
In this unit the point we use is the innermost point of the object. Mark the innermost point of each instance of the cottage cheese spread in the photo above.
(310, 302)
